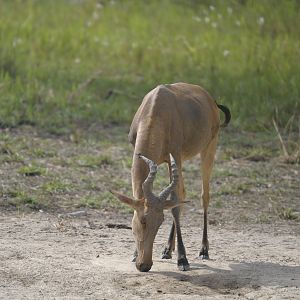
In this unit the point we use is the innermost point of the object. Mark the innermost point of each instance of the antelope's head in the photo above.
(148, 213)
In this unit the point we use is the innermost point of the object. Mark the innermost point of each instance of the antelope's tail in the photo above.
(227, 113)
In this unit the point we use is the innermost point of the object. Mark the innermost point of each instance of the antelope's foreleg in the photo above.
(167, 253)
(182, 262)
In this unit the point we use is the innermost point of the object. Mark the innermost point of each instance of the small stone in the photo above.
(77, 213)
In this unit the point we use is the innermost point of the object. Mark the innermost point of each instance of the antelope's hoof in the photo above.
(167, 254)
(204, 253)
(183, 264)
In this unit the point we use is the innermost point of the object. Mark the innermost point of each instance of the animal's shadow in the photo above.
(238, 275)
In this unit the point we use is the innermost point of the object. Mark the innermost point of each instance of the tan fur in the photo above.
(181, 119)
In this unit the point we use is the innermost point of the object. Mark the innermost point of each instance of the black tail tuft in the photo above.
(227, 113)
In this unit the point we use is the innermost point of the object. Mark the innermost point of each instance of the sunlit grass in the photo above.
(244, 53)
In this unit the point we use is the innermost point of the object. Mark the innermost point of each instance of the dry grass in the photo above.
(290, 147)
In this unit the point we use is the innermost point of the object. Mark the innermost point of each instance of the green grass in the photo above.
(238, 189)
(220, 173)
(66, 63)
(56, 186)
(93, 161)
(8, 154)
(21, 199)
(32, 170)
(287, 213)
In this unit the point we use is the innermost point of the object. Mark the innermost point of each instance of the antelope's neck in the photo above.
(149, 142)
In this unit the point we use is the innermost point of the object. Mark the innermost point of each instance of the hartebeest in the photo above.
(174, 123)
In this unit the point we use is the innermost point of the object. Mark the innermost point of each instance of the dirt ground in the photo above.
(44, 256)
(48, 253)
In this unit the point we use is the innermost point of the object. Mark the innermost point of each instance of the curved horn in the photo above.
(148, 183)
(175, 178)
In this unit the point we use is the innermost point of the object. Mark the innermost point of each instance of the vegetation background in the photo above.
(70, 63)
(73, 73)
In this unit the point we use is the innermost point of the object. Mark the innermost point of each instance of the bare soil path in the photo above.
(43, 256)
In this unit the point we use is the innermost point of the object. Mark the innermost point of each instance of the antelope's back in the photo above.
(186, 115)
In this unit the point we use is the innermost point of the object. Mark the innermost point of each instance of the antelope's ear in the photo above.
(129, 201)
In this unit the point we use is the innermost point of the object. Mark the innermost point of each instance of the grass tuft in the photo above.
(21, 199)
(94, 161)
(56, 186)
(32, 170)
(287, 213)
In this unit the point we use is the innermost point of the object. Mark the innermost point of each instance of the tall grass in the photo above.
(245, 53)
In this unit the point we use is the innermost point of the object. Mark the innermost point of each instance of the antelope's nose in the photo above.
(144, 267)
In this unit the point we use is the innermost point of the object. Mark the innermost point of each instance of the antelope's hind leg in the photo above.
(207, 162)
